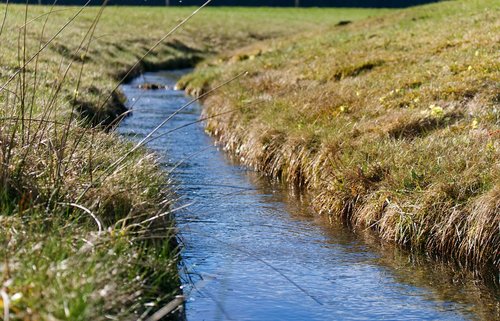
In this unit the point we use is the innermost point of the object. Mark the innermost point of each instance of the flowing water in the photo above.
(253, 251)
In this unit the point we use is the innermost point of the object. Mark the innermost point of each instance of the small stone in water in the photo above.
(152, 86)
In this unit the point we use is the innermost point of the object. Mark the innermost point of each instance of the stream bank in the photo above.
(255, 251)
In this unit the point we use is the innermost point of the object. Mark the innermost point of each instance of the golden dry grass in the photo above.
(393, 123)
(77, 242)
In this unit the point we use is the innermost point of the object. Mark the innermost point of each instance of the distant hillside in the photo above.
(247, 3)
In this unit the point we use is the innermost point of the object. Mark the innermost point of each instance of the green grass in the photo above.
(76, 238)
(391, 122)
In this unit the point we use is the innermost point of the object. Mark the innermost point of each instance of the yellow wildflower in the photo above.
(436, 111)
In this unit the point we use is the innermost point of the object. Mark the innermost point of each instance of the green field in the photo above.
(85, 230)
(392, 123)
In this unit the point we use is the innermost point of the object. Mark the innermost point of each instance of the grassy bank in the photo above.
(392, 123)
(85, 232)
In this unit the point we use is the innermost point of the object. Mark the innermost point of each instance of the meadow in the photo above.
(392, 123)
(86, 228)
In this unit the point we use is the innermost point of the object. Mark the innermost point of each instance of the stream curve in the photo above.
(253, 251)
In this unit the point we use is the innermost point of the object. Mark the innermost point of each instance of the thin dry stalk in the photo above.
(15, 74)
(4, 17)
(167, 309)
(114, 167)
(99, 223)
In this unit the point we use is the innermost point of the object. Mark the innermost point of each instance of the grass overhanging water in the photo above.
(391, 122)
(85, 236)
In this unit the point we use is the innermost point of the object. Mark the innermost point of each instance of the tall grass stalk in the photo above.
(22, 68)
(4, 17)
(113, 167)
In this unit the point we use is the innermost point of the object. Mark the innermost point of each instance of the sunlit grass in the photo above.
(392, 122)
(85, 232)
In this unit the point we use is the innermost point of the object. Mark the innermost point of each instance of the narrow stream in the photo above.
(255, 252)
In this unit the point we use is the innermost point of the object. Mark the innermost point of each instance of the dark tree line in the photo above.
(253, 3)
